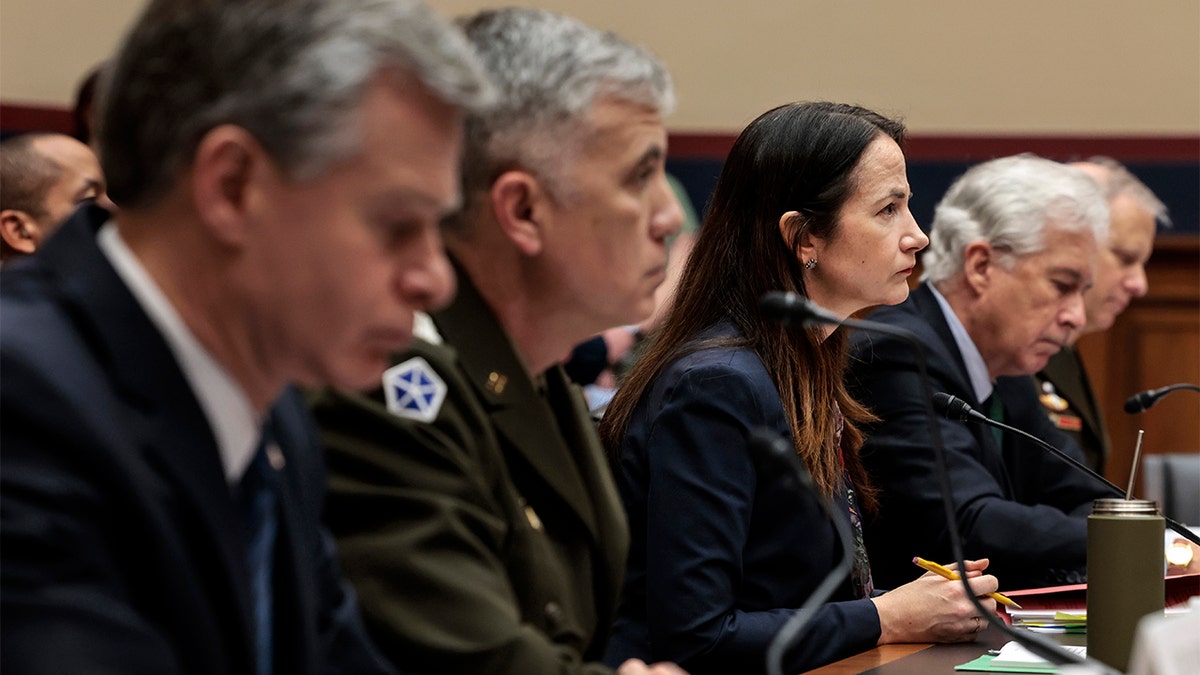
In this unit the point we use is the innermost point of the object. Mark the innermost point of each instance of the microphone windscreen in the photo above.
(779, 306)
(1137, 403)
(941, 402)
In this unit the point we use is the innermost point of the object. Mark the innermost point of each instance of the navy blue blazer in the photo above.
(122, 549)
(722, 554)
(1017, 504)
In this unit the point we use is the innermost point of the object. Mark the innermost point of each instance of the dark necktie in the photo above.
(995, 412)
(257, 498)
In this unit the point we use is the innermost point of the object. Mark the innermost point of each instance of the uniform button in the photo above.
(553, 612)
(496, 382)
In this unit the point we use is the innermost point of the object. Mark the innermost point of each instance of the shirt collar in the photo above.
(226, 407)
(976, 367)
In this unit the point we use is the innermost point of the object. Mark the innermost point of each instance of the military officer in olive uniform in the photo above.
(1065, 393)
(1063, 385)
(470, 496)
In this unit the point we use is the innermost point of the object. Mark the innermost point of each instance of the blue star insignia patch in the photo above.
(414, 390)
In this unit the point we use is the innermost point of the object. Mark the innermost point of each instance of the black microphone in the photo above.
(959, 410)
(791, 307)
(773, 452)
(1142, 400)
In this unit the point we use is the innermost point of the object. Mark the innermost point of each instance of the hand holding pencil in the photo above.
(932, 608)
(948, 573)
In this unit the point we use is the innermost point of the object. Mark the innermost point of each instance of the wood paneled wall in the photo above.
(1156, 342)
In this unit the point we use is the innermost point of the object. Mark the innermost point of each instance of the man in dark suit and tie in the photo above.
(283, 168)
(1012, 250)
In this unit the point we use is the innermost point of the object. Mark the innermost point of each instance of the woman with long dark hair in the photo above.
(813, 199)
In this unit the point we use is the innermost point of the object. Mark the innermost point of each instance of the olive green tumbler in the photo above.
(1125, 575)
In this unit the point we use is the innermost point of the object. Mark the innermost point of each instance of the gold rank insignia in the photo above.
(1051, 400)
(496, 382)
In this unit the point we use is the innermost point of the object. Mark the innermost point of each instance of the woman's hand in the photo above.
(935, 609)
(638, 667)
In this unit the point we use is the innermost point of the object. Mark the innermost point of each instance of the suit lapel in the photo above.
(612, 529)
(295, 588)
(928, 306)
(166, 424)
(503, 384)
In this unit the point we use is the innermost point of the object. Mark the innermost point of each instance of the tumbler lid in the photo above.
(1124, 507)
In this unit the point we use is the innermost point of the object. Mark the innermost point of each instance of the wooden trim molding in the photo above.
(16, 118)
(965, 148)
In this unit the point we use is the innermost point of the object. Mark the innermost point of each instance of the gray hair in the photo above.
(550, 70)
(290, 72)
(1010, 203)
(1119, 180)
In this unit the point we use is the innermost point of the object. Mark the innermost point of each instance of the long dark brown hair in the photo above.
(797, 157)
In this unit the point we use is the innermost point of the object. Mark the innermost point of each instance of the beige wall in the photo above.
(1104, 67)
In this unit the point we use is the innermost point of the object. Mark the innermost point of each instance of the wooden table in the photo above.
(923, 659)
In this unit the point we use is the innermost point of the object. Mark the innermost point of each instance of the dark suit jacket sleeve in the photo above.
(344, 647)
(701, 487)
(66, 604)
(1024, 517)
(420, 536)
(1054, 481)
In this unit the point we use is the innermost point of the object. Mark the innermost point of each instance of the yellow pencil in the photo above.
(952, 575)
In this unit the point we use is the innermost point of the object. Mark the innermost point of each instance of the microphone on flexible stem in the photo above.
(1142, 400)
(774, 452)
(959, 410)
(791, 309)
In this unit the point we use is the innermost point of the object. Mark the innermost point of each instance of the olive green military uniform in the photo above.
(490, 539)
(1066, 395)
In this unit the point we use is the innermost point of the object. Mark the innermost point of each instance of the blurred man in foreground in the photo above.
(282, 168)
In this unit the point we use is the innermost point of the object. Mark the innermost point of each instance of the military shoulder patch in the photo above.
(414, 390)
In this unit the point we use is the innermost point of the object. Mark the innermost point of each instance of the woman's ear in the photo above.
(516, 199)
(797, 237)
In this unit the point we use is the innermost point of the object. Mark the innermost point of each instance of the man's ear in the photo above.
(518, 201)
(979, 261)
(222, 175)
(20, 231)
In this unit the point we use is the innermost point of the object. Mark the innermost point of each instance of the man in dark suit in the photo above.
(1012, 249)
(283, 168)
(1064, 388)
(473, 507)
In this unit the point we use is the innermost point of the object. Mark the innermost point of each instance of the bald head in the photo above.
(1121, 263)
(44, 177)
